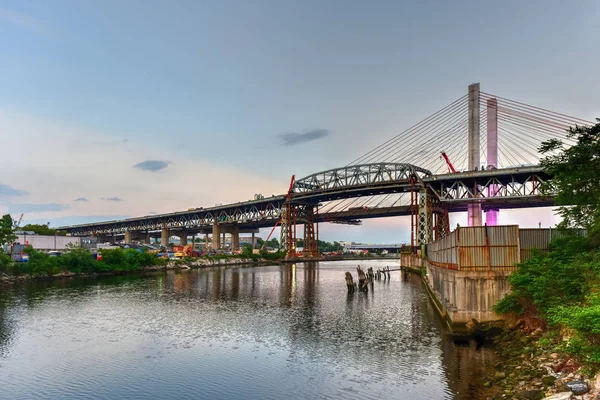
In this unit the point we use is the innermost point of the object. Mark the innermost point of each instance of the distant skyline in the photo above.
(117, 109)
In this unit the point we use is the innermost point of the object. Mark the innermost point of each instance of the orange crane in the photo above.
(450, 166)
(288, 197)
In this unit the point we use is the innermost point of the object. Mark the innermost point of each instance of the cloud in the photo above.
(6, 190)
(36, 208)
(152, 165)
(152, 213)
(22, 20)
(292, 139)
(83, 199)
(111, 199)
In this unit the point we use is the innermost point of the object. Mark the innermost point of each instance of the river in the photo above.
(274, 332)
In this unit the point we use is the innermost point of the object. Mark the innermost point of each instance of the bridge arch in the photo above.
(360, 175)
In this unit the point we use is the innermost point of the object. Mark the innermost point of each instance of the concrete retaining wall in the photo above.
(467, 295)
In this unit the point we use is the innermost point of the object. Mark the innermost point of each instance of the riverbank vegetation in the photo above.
(79, 261)
(559, 291)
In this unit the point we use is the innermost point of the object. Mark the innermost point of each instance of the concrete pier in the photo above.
(235, 238)
(491, 216)
(183, 238)
(164, 237)
(474, 209)
(216, 237)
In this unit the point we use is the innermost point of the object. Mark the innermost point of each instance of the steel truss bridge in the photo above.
(499, 170)
(499, 188)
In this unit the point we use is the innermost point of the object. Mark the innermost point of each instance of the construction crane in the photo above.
(18, 224)
(450, 166)
(288, 197)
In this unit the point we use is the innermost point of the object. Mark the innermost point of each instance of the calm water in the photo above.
(249, 333)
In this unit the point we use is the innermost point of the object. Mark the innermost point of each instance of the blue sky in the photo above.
(170, 105)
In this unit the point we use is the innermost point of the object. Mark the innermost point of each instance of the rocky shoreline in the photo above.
(171, 265)
(533, 369)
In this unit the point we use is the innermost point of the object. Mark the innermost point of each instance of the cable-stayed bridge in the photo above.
(478, 154)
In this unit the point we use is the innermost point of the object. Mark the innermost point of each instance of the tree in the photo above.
(7, 230)
(575, 175)
(40, 229)
(274, 243)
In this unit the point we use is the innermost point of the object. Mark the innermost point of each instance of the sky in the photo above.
(112, 109)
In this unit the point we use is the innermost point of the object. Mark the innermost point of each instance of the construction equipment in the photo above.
(450, 166)
(18, 223)
(12, 245)
(288, 198)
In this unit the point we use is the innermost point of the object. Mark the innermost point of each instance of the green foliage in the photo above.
(576, 177)
(78, 260)
(562, 276)
(5, 262)
(7, 230)
(41, 229)
(562, 287)
(585, 321)
(328, 246)
(40, 264)
(246, 251)
(120, 260)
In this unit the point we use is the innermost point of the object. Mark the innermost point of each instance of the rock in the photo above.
(471, 325)
(554, 356)
(532, 394)
(537, 333)
(548, 380)
(538, 373)
(559, 367)
(499, 375)
(578, 387)
(596, 382)
(488, 384)
(559, 396)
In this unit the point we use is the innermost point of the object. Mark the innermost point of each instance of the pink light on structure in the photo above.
(491, 216)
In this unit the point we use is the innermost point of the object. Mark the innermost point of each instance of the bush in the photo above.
(561, 288)
(78, 260)
(41, 263)
(5, 262)
(560, 277)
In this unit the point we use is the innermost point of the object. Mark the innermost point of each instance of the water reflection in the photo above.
(288, 331)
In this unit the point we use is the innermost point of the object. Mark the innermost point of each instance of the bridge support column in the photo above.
(223, 241)
(147, 238)
(235, 238)
(474, 209)
(253, 240)
(183, 238)
(127, 239)
(424, 218)
(164, 237)
(491, 216)
(432, 218)
(310, 243)
(206, 241)
(288, 230)
(216, 237)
